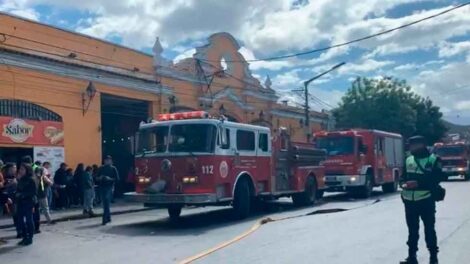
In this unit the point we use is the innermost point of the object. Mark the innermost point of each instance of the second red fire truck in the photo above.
(359, 160)
(455, 159)
(191, 159)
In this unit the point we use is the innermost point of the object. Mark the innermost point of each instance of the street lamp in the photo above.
(88, 95)
(305, 90)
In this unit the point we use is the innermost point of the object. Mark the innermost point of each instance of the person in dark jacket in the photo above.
(69, 188)
(25, 199)
(107, 176)
(60, 184)
(77, 184)
(421, 176)
(10, 173)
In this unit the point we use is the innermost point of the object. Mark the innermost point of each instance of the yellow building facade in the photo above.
(87, 96)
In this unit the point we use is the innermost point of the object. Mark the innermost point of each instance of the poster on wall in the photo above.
(32, 132)
(55, 155)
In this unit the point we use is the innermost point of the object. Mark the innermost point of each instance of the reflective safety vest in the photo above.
(412, 168)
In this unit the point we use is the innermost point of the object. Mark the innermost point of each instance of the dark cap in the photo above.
(416, 140)
(108, 157)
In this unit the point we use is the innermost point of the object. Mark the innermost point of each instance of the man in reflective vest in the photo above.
(422, 173)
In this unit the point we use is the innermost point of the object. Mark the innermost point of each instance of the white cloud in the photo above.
(186, 54)
(449, 49)
(19, 8)
(406, 67)
(364, 66)
(448, 87)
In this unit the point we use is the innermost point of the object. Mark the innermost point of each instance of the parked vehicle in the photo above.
(359, 160)
(191, 159)
(455, 159)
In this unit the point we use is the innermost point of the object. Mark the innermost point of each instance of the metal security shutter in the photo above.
(27, 110)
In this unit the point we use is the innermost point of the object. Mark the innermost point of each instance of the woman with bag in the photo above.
(43, 184)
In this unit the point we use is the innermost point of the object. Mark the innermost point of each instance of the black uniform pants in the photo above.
(426, 210)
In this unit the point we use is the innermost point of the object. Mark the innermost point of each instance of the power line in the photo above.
(354, 40)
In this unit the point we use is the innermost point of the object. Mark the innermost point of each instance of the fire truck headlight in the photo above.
(143, 179)
(190, 179)
(353, 179)
(461, 169)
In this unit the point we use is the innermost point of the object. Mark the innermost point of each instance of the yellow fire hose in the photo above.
(256, 226)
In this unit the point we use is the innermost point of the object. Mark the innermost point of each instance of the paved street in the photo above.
(371, 231)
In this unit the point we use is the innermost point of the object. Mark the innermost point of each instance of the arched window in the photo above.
(27, 110)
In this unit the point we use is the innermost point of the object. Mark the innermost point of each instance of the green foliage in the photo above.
(389, 104)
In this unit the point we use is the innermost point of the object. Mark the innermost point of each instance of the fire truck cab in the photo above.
(360, 159)
(455, 159)
(191, 159)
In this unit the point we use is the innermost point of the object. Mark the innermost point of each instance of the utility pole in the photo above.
(305, 90)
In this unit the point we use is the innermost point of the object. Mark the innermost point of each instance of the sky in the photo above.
(433, 56)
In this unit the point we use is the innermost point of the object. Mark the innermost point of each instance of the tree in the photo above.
(389, 104)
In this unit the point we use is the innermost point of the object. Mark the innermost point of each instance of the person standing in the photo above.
(60, 183)
(10, 174)
(77, 183)
(43, 183)
(88, 191)
(26, 196)
(69, 188)
(107, 177)
(47, 172)
(97, 199)
(420, 180)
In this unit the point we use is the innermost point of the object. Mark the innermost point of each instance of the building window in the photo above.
(245, 140)
(27, 110)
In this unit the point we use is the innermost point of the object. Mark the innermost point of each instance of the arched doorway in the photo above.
(27, 130)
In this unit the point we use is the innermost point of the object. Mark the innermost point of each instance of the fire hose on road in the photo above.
(263, 221)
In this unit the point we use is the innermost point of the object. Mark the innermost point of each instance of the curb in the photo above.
(81, 216)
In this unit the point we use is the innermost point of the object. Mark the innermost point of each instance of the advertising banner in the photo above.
(54, 155)
(31, 132)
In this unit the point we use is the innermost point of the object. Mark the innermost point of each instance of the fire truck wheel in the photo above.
(308, 196)
(242, 200)
(174, 212)
(320, 194)
(391, 187)
(366, 190)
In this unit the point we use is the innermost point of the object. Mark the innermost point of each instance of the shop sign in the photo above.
(31, 132)
(18, 130)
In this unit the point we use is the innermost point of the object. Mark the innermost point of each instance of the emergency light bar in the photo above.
(183, 115)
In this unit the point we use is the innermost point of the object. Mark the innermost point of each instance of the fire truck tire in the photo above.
(392, 186)
(320, 194)
(242, 200)
(366, 190)
(308, 196)
(174, 212)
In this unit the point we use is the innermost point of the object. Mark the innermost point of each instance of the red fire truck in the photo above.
(192, 159)
(455, 159)
(358, 160)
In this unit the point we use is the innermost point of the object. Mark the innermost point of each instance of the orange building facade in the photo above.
(77, 98)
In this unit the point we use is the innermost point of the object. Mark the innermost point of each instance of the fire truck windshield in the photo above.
(192, 138)
(152, 140)
(336, 145)
(449, 151)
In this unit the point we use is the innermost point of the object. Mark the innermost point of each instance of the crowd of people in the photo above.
(31, 189)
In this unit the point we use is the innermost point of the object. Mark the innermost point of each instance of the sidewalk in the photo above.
(118, 207)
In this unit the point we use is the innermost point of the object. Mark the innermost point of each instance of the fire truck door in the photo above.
(380, 159)
(282, 165)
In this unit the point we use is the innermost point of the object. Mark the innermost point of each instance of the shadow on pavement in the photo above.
(199, 223)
